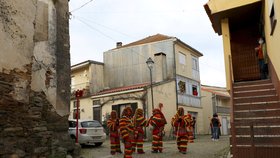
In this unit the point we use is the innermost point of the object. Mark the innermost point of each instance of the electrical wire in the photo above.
(90, 26)
(81, 6)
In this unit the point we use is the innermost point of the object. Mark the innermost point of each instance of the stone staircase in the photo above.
(255, 132)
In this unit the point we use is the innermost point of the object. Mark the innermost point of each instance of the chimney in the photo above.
(160, 67)
(119, 44)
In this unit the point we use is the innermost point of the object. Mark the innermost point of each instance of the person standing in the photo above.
(262, 58)
(113, 125)
(193, 127)
(189, 119)
(181, 123)
(126, 130)
(215, 125)
(139, 122)
(157, 121)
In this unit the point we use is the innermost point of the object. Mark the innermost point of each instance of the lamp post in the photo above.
(150, 64)
(78, 94)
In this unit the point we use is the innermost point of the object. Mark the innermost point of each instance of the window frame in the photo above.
(182, 86)
(195, 63)
(74, 114)
(273, 20)
(182, 58)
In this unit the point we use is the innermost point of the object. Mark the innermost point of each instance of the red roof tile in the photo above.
(150, 39)
(120, 89)
(216, 91)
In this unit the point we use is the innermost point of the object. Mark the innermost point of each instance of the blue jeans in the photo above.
(215, 133)
(262, 68)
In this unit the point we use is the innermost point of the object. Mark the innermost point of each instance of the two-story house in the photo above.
(86, 76)
(175, 78)
(215, 100)
(255, 122)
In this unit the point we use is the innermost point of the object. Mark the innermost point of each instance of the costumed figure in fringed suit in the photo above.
(113, 126)
(182, 125)
(139, 122)
(127, 131)
(190, 128)
(157, 121)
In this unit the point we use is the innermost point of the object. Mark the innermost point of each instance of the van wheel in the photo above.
(98, 144)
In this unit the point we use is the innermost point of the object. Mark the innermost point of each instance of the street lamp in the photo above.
(150, 64)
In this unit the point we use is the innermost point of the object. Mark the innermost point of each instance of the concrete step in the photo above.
(258, 121)
(247, 93)
(258, 140)
(258, 130)
(257, 113)
(253, 99)
(255, 82)
(257, 106)
(253, 87)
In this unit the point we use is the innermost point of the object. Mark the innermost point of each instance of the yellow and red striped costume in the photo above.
(190, 128)
(157, 121)
(126, 129)
(113, 125)
(182, 124)
(139, 122)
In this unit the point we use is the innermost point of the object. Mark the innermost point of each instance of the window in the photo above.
(75, 104)
(75, 114)
(182, 86)
(273, 20)
(72, 123)
(96, 102)
(91, 124)
(194, 90)
(194, 63)
(182, 58)
(73, 82)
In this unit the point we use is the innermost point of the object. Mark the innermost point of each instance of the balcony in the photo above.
(189, 100)
(82, 86)
(223, 109)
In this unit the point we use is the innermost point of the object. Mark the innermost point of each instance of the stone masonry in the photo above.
(35, 79)
(31, 129)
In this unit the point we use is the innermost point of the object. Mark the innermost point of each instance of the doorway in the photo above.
(224, 126)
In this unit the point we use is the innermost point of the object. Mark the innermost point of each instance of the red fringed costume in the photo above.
(113, 125)
(157, 121)
(190, 128)
(183, 132)
(126, 129)
(139, 122)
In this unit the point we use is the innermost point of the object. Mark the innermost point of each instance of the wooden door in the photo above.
(244, 59)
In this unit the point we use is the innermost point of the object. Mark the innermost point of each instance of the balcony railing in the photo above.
(222, 109)
(189, 100)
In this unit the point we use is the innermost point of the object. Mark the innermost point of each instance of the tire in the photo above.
(98, 144)
(73, 137)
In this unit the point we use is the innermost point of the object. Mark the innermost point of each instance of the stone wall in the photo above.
(34, 79)
(32, 129)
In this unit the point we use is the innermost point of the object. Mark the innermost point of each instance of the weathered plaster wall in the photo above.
(44, 59)
(62, 57)
(34, 79)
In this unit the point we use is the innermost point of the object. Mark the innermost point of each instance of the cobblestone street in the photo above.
(203, 147)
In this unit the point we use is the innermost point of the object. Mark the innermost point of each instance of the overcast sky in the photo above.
(96, 26)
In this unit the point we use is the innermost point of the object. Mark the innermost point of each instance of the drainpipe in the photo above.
(174, 67)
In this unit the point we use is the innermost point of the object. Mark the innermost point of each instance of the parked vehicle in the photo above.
(89, 132)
